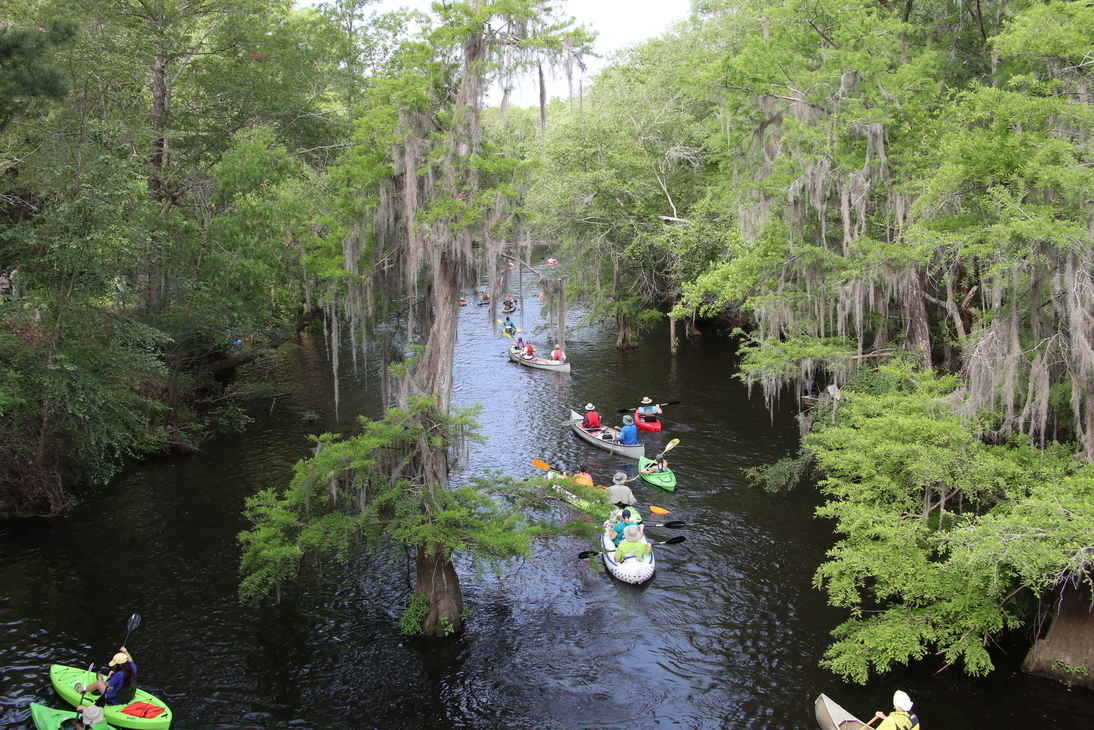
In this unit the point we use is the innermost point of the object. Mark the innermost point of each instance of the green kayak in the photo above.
(145, 712)
(47, 718)
(664, 479)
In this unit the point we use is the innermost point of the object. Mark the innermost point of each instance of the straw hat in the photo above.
(630, 533)
(646, 401)
(119, 658)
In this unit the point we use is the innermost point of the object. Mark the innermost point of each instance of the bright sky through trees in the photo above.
(618, 23)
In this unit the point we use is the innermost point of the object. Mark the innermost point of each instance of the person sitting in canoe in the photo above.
(659, 464)
(529, 351)
(591, 421)
(120, 685)
(649, 411)
(628, 435)
(901, 718)
(634, 543)
(558, 355)
(629, 518)
(619, 493)
(485, 295)
(583, 476)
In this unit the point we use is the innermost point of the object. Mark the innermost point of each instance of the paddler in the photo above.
(634, 543)
(901, 718)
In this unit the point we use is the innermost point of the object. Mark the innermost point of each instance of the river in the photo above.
(728, 634)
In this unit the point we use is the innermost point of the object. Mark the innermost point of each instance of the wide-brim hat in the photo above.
(628, 420)
(93, 715)
(630, 533)
(119, 658)
(646, 400)
(619, 477)
(590, 407)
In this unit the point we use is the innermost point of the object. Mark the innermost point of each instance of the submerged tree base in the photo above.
(1066, 654)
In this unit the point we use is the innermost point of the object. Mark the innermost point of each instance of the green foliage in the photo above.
(410, 623)
(28, 71)
(359, 490)
(945, 537)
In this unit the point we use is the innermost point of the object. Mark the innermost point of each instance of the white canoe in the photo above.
(630, 570)
(540, 363)
(831, 716)
(603, 438)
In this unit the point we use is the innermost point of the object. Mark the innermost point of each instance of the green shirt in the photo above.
(638, 549)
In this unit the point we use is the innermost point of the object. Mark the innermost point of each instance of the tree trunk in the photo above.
(154, 290)
(1066, 654)
(437, 580)
(918, 323)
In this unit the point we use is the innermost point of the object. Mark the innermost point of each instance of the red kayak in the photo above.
(653, 424)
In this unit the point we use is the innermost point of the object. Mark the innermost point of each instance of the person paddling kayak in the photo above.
(120, 685)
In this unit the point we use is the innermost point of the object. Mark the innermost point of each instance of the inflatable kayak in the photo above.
(630, 570)
(47, 718)
(664, 479)
(146, 711)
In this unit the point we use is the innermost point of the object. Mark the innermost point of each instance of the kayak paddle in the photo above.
(540, 464)
(670, 446)
(134, 622)
(670, 403)
(658, 510)
(671, 541)
(673, 525)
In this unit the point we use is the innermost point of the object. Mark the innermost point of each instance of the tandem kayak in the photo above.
(47, 718)
(831, 716)
(630, 570)
(146, 711)
(664, 479)
(646, 423)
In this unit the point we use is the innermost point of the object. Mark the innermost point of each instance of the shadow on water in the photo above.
(728, 634)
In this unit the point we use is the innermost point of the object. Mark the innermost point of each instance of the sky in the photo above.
(619, 23)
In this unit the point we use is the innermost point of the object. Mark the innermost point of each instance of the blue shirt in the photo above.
(628, 435)
(116, 682)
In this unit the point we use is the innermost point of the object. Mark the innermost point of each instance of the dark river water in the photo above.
(728, 634)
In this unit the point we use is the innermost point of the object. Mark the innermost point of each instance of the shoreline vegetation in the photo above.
(890, 200)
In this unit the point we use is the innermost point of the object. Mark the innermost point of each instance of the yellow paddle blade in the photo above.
(658, 510)
(540, 464)
(671, 445)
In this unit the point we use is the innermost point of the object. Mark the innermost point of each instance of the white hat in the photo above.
(902, 701)
(590, 407)
(93, 715)
(619, 477)
(646, 400)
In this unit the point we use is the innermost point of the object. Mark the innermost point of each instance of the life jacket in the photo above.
(592, 419)
(904, 721)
